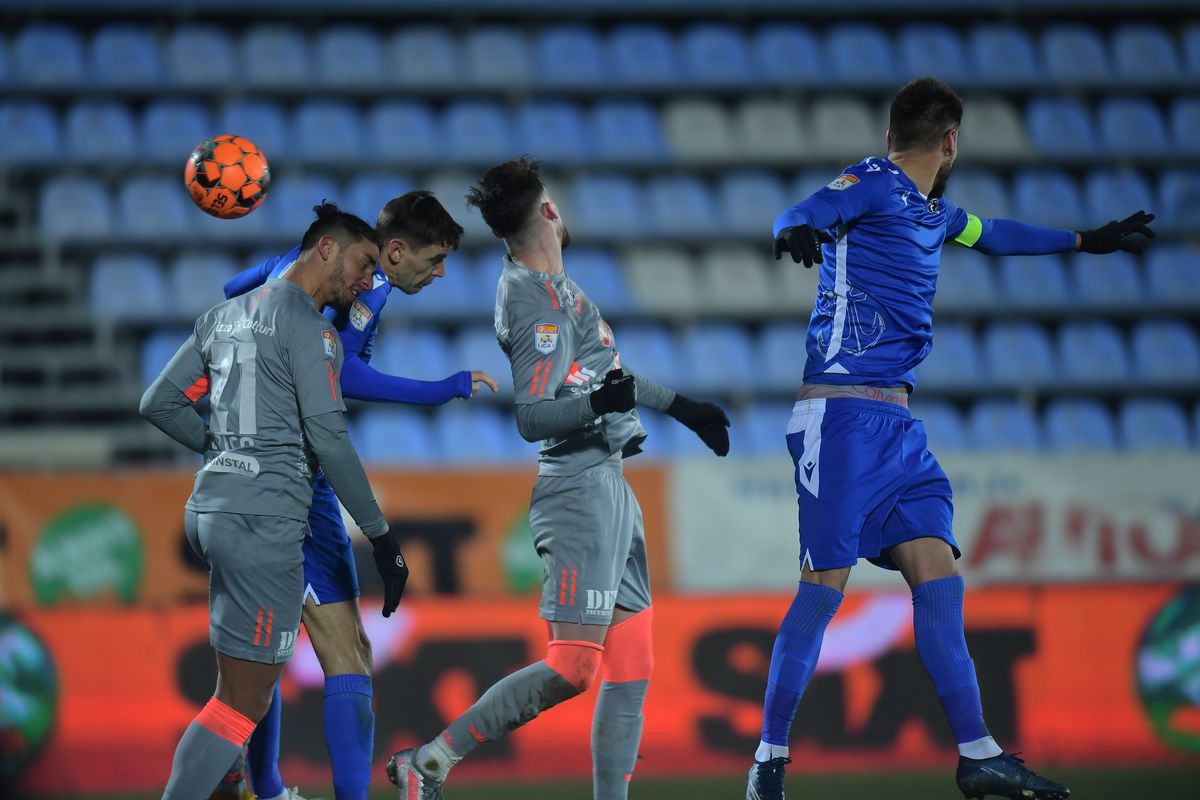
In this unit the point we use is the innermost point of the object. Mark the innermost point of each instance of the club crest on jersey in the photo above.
(606, 337)
(360, 315)
(934, 205)
(329, 339)
(545, 337)
(842, 182)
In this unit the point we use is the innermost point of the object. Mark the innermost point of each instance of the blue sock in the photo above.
(349, 734)
(938, 627)
(795, 657)
(262, 758)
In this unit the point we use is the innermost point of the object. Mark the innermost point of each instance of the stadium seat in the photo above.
(1115, 194)
(993, 127)
(293, 195)
(328, 131)
(158, 349)
(151, 208)
(1075, 55)
(714, 55)
(748, 202)
(953, 362)
(451, 188)
(697, 130)
(1179, 190)
(367, 192)
(649, 350)
(1153, 423)
(262, 123)
(660, 435)
(680, 205)
(944, 428)
(643, 55)
(602, 278)
(170, 129)
(1191, 51)
(497, 56)
(1109, 281)
(1078, 425)
(447, 297)
(1171, 271)
(1048, 197)
(788, 55)
(760, 431)
(999, 425)
(477, 348)
(735, 280)
(351, 56)
(980, 193)
(965, 281)
(1018, 354)
(1185, 121)
(570, 55)
(201, 56)
(1061, 127)
(1034, 282)
(30, 133)
(478, 131)
(844, 128)
(1092, 354)
(275, 56)
(718, 358)
(1132, 126)
(482, 274)
(795, 288)
(1002, 55)
(651, 270)
(101, 132)
(769, 129)
(782, 345)
(195, 280)
(1145, 55)
(554, 131)
(810, 181)
(626, 131)
(1166, 352)
(127, 286)
(31, 67)
(390, 436)
(607, 206)
(425, 56)
(5, 68)
(124, 55)
(480, 435)
(74, 207)
(927, 49)
(418, 352)
(861, 55)
(403, 132)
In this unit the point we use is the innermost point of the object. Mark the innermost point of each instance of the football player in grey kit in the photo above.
(269, 361)
(573, 396)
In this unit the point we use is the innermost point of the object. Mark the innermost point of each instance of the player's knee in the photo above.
(366, 655)
(629, 650)
(576, 661)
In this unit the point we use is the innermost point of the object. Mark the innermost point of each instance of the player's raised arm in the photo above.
(257, 275)
(361, 381)
(168, 403)
(803, 228)
(1006, 237)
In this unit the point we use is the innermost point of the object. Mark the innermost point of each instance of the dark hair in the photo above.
(346, 229)
(420, 220)
(507, 194)
(922, 112)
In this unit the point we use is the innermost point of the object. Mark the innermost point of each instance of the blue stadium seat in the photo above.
(1018, 354)
(395, 436)
(1185, 121)
(570, 55)
(660, 435)
(1180, 200)
(944, 427)
(259, 121)
(715, 54)
(1145, 55)
(1166, 352)
(1153, 423)
(554, 130)
(1115, 194)
(718, 357)
(497, 56)
(997, 425)
(602, 278)
(1191, 50)
(608, 206)
(5, 69)
(927, 49)
(1048, 197)
(100, 131)
(1109, 281)
(1034, 282)
(1075, 55)
(1075, 425)
(782, 345)
(861, 55)
(1003, 55)
(1061, 126)
(367, 192)
(74, 207)
(289, 207)
(965, 281)
(328, 132)
(418, 352)
(680, 205)
(31, 67)
(171, 128)
(1092, 354)
(350, 56)
(275, 56)
(151, 208)
(981, 193)
(480, 435)
(127, 286)
(651, 351)
(478, 289)
(953, 362)
(30, 133)
(478, 131)
(1132, 126)
(643, 55)
(124, 55)
(476, 348)
(698, 130)
(748, 201)
(788, 55)
(447, 296)
(1171, 275)
(760, 430)
(194, 281)
(626, 131)
(425, 56)
(403, 132)
(158, 349)
(201, 56)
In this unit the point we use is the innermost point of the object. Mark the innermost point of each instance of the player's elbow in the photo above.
(148, 405)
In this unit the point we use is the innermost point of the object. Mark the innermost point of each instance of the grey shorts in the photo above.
(255, 581)
(588, 530)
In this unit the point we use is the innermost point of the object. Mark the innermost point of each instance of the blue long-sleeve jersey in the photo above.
(357, 327)
(873, 319)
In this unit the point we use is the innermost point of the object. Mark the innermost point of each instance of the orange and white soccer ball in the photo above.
(227, 176)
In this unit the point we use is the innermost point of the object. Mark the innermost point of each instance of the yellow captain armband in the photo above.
(971, 233)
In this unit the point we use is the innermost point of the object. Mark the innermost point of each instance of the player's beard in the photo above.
(342, 295)
(564, 239)
(941, 179)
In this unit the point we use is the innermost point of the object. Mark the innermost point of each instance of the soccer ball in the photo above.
(227, 176)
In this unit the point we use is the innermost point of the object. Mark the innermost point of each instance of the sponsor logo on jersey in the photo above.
(600, 602)
(606, 337)
(245, 323)
(842, 182)
(329, 339)
(580, 376)
(360, 315)
(234, 463)
(545, 337)
(287, 643)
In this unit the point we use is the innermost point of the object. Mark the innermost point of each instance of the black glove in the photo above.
(392, 568)
(616, 393)
(1114, 236)
(706, 420)
(803, 243)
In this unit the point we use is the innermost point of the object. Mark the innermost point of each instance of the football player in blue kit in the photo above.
(416, 234)
(868, 486)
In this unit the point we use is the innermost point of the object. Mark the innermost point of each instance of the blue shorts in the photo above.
(866, 482)
(329, 573)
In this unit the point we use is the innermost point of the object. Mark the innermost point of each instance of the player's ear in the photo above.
(396, 249)
(325, 246)
(888, 137)
(950, 142)
(549, 210)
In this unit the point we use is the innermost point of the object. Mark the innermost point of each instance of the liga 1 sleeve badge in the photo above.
(545, 337)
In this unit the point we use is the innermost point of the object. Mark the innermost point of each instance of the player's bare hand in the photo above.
(479, 378)
(803, 243)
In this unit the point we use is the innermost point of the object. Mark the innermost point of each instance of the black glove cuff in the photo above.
(678, 405)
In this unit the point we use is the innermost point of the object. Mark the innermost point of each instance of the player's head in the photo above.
(415, 235)
(347, 249)
(925, 117)
(516, 205)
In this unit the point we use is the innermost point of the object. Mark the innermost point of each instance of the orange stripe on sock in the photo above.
(628, 649)
(221, 720)
(258, 629)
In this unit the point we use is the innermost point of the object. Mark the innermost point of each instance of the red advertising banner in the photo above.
(1069, 675)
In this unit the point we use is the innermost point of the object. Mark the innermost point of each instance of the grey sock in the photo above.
(616, 733)
(201, 761)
